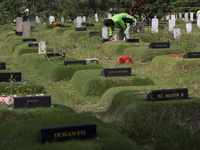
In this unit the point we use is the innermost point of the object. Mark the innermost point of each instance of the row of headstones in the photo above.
(186, 16)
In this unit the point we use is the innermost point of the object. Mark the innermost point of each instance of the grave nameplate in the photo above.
(90, 25)
(63, 26)
(94, 33)
(32, 101)
(194, 22)
(2, 66)
(69, 132)
(75, 62)
(19, 33)
(159, 45)
(84, 23)
(111, 72)
(81, 29)
(192, 55)
(132, 40)
(105, 40)
(27, 40)
(168, 94)
(93, 60)
(32, 45)
(55, 55)
(7, 76)
(162, 23)
(161, 27)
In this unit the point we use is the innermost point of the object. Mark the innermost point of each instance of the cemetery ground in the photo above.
(118, 105)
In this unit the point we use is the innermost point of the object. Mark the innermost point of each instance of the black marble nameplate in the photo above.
(94, 33)
(2, 66)
(65, 133)
(75, 62)
(27, 40)
(63, 26)
(162, 23)
(55, 55)
(19, 33)
(194, 22)
(161, 27)
(7, 76)
(168, 94)
(90, 25)
(192, 55)
(84, 23)
(33, 45)
(111, 72)
(132, 40)
(81, 29)
(32, 101)
(159, 45)
(105, 40)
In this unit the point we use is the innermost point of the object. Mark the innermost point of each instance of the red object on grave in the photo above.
(125, 60)
(175, 15)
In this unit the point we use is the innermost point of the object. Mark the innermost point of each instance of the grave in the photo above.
(167, 17)
(79, 22)
(32, 101)
(27, 40)
(84, 23)
(188, 27)
(42, 47)
(111, 72)
(26, 28)
(198, 23)
(154, 25)
(171, 25)
(19, 24)
(19, 33)
(33, 45)
(186, 17)
(62, 20)
(7, 76)
(92, 60)
(51, 19)
(168, 94)
(37, 20)
(159, 45)
(192, 55)
(105, 34)
(161, 27)
(173, 17)
(132, 40)
(191, 16)
(2, 65)
(75, 62)
(65, 26)
(68, 132)
(81, 29)
(89, 25)
(109, 16)
(177, 33)
(180, 15)
(94, 33)
(47, 55)
(96, 18)
(84, 18)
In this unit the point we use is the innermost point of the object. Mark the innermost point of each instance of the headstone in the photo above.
(2, 66)
(198, 16)
(42, 47)
(180, 15)
(167, 17)
(168, 94)
(79, 22)
(32, 101)
(81, 29)
(132, 40)
(186, 17)
(111, 72)
(154, 25)
(75, 62)
(93, 60)
(55, 55)
(105, 34)
(19, 24)
(109, 16)
(171, 25)
(198, 23)
(33, 45)
(177, 33)
(37, 20)
(94, 33)
(191, 16)
(27, 40)
(69, 132)
(51, 19)
(159, 45)
(62, 20)
(96, 18)
(7, 76)
(173, 17)
(84, 18)
(26, 28)
(188, 27)
(192, 55)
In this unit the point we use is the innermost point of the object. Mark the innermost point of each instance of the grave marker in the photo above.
(161, 27)
(132, 40)
(198, 23)
(2, 66)
(167, 17)
(26, 28)
(42, 47)
(84, 18)
(188, 27)
(32, 101)
(81, 29)
(7, 76)
(168, 94)
(171, 25)
(89, 25)
(62, 20)
(173, 17)
(180, 15)
(19, 24)
(93, 60)
(96, 18)
(37, 20)
(28, 40)
(105, 34)
(79, 22)
(51, 19)
(186, 17)
(69, 132)
(55, 55)
(75, 62)
(33, 45)
(192, 55)
(94, 33)
(67, 26)
(111, 72)
(19, 33)
(177, 33)
(191, 16)
(159, 45)
(154, 25)
(109, 16)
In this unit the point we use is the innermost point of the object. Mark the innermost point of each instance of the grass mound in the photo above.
(89, 83)
(21, 137)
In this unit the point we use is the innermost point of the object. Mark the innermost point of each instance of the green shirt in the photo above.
(198, 12)
(119, 23)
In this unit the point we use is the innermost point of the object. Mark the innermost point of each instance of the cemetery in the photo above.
(63, 84)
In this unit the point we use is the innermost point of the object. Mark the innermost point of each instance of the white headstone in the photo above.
(198, 23)
(26, 28)
(171, 24)
(96, 18)
(167, 17)
(191, 16)
(37, 20)
(84, 18)
(186, 17)
(41, 47)
(109, 16)
(173, 17)
(154, 25)
(19, 24)
(188, 27)
(105, 32)
(198, 16)
(177, 33)
(62, 20)
(51, 19)
(79, 21)
(180, 15)
(154, 30)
